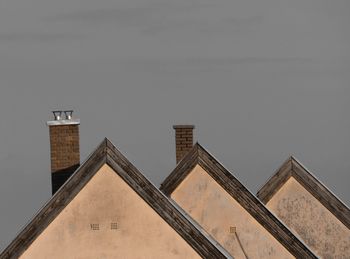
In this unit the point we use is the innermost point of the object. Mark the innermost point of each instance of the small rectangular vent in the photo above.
(114, 225)
(95, 226)
(232, 230)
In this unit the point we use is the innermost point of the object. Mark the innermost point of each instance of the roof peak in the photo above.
(292, 167)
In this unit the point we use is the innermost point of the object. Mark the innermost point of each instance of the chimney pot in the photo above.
(183, 140)
(68, 114)
(57, 115)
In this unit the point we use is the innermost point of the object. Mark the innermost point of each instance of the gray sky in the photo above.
(260, 79)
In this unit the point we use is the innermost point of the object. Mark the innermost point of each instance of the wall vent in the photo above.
(114, 225)
(232, 230)
(95, 226)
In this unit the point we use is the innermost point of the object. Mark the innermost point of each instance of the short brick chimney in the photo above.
(183, 140)
(64, 147)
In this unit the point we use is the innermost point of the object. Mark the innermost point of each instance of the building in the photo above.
(215, 199)
(309, 209)
(106, 208)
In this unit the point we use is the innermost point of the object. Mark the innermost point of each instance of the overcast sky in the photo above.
(260, 79)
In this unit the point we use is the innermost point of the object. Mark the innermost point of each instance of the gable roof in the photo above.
(293, 168)
(199, 156)
(107, 153)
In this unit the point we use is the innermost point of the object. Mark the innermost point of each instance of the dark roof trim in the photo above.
(107, 153)
(198, 155)
(276, 181)
(293, 168)
(183, 168)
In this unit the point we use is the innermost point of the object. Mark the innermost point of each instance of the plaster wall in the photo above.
(218, 213)
(106, 199)
(311, 221)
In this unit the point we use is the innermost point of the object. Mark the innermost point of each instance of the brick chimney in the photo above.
(183, 140)
(64, 147)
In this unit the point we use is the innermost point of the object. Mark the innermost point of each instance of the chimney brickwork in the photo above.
(64, 150)
(183, 140)
(64, 142)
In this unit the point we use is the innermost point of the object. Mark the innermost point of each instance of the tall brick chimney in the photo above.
(64, 147)
(183, 140)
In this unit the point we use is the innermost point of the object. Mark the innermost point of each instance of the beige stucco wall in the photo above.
(311, 221)
(216, 211)
(106, 198)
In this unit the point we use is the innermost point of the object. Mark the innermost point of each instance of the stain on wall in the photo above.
(311, 221)
(107, 219)
(225, 219)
